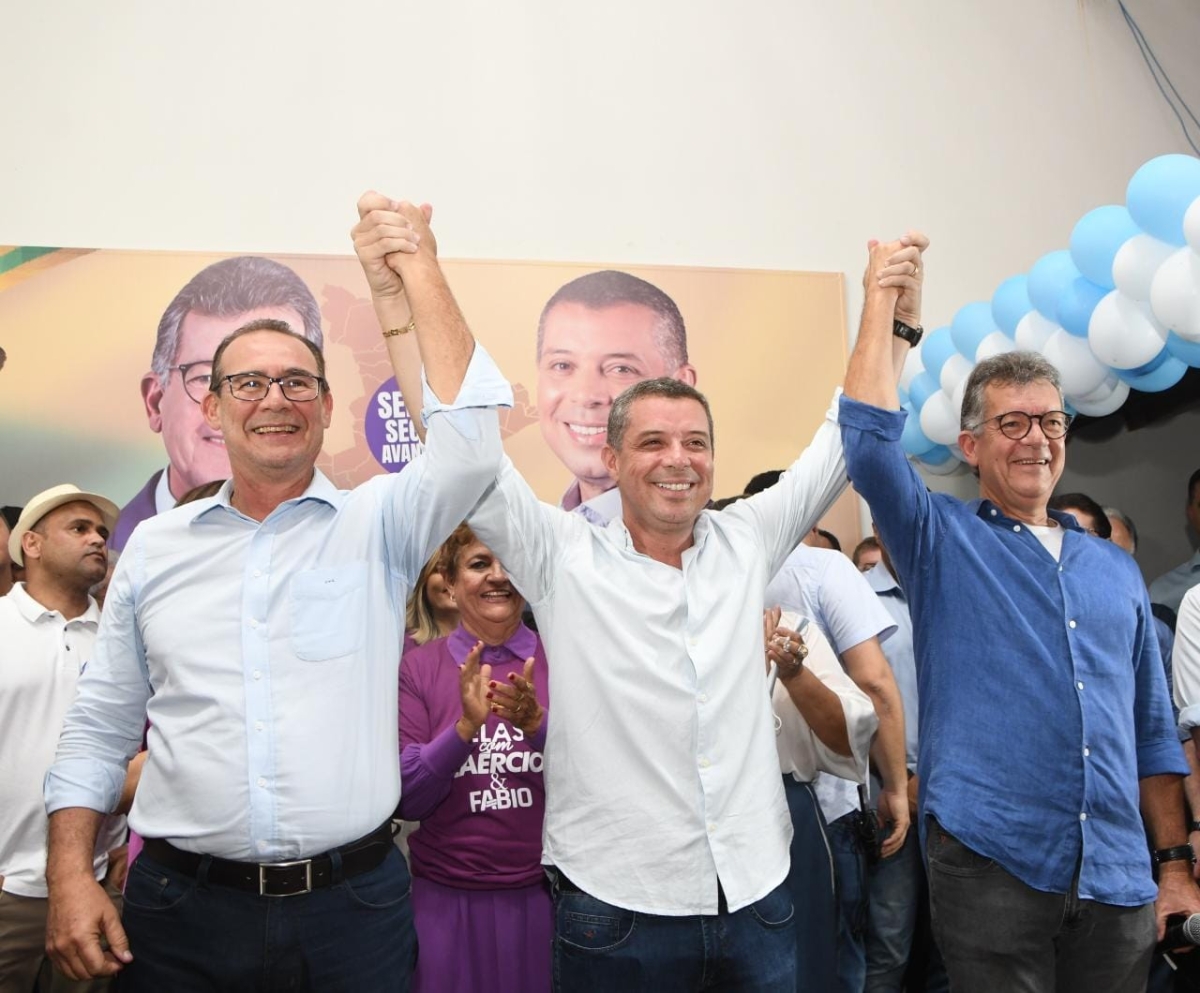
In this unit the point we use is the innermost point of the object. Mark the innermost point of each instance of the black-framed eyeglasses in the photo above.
(295, 386)
(196, 376)
(1016, 424)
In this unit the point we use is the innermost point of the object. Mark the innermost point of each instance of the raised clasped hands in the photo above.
(473, 679)
(390, 235)
(897, 267)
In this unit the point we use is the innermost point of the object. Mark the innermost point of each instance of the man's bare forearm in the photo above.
(71, 843)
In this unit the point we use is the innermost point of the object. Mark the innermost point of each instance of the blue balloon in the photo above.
(1160, 193)
(1050, 275)
(970, 326)
(921, 388)
(1010, 303)
(913, 438)
(937, 455)
(1097, 236)
(1076, 303)
(1164, 377)
(1184, 350)
(936, 349)
(1146, 367)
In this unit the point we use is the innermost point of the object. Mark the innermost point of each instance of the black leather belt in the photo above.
(279, 878)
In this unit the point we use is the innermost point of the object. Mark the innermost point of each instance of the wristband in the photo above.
(1179, 853)
(392, 332)
(907, 332)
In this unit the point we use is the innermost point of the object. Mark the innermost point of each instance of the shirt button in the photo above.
(257, 573)
(257, 674)
(262, 846)
(704, 763)
(712, 828)
(253, 623)
(261, 781)
(1070, 624)
(1016, 527)
(1086, 751)
(993, 511)
(693, 642)
(258, 725)
(703, 698)
(1060, 568)
(1079, 685)
(1083, 817)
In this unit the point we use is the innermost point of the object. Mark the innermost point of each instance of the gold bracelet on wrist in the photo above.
(410, 326)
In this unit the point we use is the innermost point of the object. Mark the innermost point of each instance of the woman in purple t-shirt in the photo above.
(472, 727)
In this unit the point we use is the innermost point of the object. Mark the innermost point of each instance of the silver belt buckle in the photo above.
(262, 877)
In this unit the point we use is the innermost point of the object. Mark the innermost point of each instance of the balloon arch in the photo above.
(1118, 310)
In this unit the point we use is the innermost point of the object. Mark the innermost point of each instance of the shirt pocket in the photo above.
(328, 611)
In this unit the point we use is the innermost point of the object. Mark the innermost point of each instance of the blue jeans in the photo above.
(851, 866)
(897, 896)
(811, 885)
(601, 948)
(186, 935)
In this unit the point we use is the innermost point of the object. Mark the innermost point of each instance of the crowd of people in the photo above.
(640, 740)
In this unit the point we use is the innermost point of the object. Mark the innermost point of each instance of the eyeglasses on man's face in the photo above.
(295, 386)
(1016, 424)
(196, 377)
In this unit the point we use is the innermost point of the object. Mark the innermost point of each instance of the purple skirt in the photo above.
(482, 939)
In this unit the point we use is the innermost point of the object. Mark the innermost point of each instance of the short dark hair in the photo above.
(762, 481)
(264, 324)
(610, 288)
(867, 544)
(1064, 502)
(230, 287)
(830, 537)
(672, 389)
(1005, 369)
(1193, 482)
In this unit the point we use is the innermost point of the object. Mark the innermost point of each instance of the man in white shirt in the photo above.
(665, 807)
(259, 630)
(47, 633)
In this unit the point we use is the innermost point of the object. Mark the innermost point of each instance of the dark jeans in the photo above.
(850, 864)
(186, 935)
(996, 933)
(811, 885)
(602, 948)
(898, 897)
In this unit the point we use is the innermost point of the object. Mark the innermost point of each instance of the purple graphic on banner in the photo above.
(391, 433)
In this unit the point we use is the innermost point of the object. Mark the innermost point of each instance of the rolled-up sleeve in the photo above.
(103, 729)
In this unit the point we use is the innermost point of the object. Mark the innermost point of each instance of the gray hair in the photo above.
(230, 287)
(1116, 514)
(1005, 369)
(672, 389)
(611, 288)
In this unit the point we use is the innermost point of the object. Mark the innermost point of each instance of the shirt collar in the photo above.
(164, 499)
(521, 646)
(33, 611)
(319, 488)
(599, 510)
(990, 512)
(881, 580)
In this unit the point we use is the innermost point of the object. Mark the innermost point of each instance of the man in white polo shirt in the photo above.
(47, 630)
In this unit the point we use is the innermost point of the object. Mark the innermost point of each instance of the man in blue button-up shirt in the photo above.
(259, 631)
(1044, 716)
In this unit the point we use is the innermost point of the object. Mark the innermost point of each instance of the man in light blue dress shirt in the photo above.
(259, 631)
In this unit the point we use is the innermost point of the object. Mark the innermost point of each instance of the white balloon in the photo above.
(1124, 332)
(938, 420)
(913, 367)
(995, 343)
(1175, 294)
(1191, 225)
(1033, 330)
(1107, 405)
(955, 370)
(1080, 370)
(1136, 262)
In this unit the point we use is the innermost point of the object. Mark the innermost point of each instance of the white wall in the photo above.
(777, 134)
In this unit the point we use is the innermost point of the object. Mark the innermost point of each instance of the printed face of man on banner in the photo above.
(598, 335)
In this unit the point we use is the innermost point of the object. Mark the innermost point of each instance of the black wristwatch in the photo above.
(1179, 853)
(907, 332)
(1195, 826)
